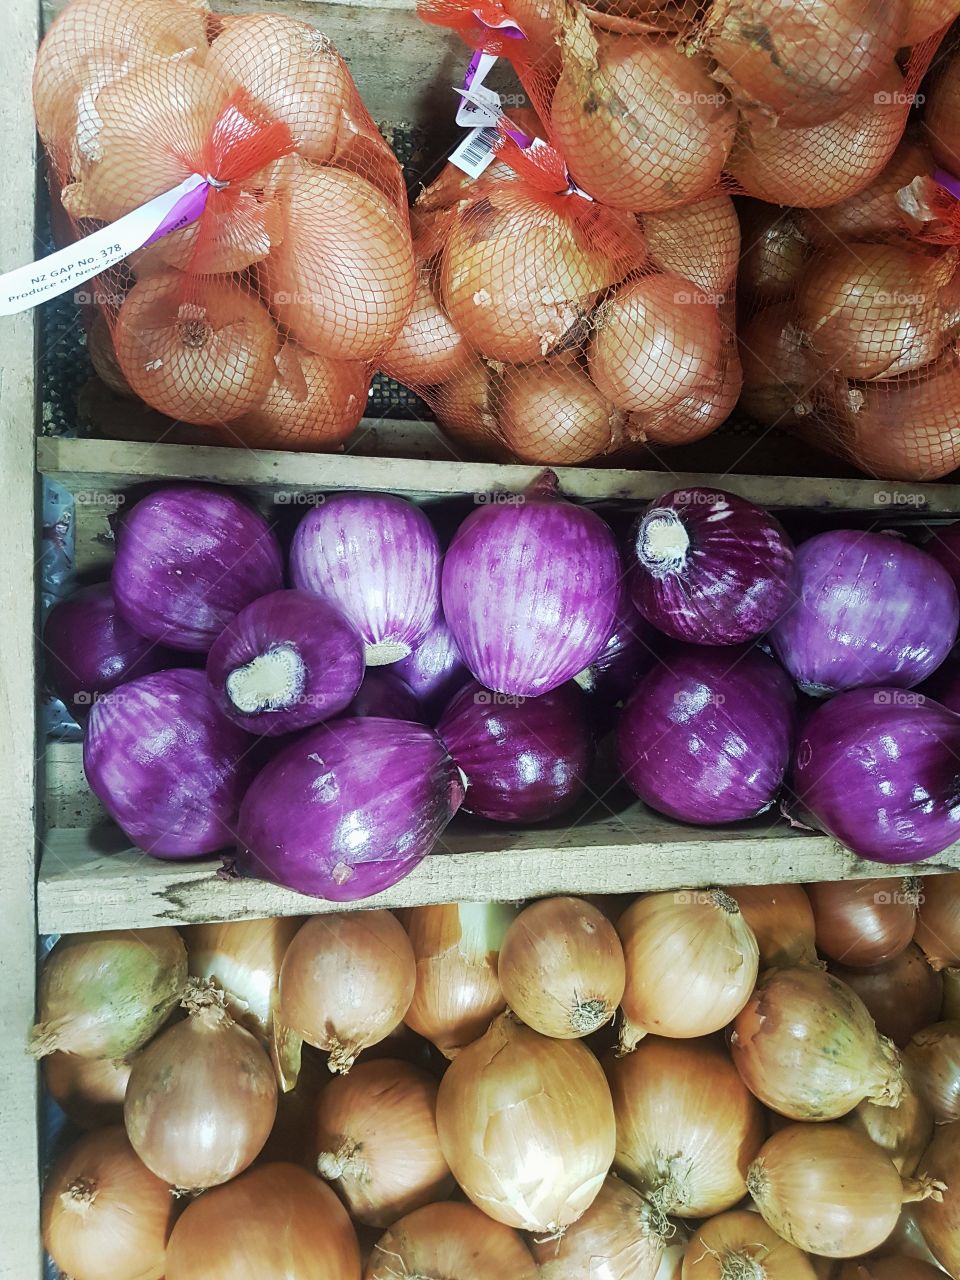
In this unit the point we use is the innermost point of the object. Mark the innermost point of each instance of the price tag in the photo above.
(475, 153)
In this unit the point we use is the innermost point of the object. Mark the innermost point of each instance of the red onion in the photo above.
(626, 656)
(434, 670)
(944, 545)
(384, 694)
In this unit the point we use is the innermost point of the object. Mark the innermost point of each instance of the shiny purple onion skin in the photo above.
(871, 610)
(89, 649)
(525, 759)
(377, 558)
(879, 769)
(385, 695)
(731, 581)
(629, 653)
(327, 644)
(348, 808)
(189, 558)
(434, 670)
(530, 591)
(166, 765)
(706, 737)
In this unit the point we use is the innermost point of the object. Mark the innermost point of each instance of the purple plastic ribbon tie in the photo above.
(948, 182)
(187, 209)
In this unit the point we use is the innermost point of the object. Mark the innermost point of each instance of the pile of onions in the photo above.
(687, 1126)
(620, 1237)
(782, 381)
(554, 414)
(562, 968)
(376, 1141)
(829, 1190)
(104, 995)
(863, 923)
(939, 1219)
(933, 1056)
(908, 428)
(455, 1241)
(456, 947)
(527, 1126)
(774, 253)
(740, 1246)
(347, 982)
(781, 919)
(276, 1218)
(700, 242)
(903, 1131)
(938, 921)
(902, 996)
(89, 1090)
(428, 349)
(202, 1097)
(700, 934)
(104, 1215)
(434, 670)
(807, 1047)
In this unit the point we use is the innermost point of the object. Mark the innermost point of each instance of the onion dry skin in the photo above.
(781, 919)
(863, 923)
(938, 921)
(740, 1246)
(903, 996)
(90, 1091)
(939, 1221)
(933, 1056)
(555, 415)
(700, 242)
(618, 1238)
(465, 409)
(452, 1240)
(903, 1131)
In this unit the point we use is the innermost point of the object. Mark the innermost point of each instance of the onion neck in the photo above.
(206, 1004)
(740, 1266)
(342, 1057)
(344, 1162)
(589, 1014)
(546, 485)
(80, 1196)
(662, 542)
(923, 1187)
(629, 1037)
(385, 652)
(271, 681)
(887, 1089)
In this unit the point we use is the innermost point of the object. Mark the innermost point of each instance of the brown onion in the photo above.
(907, 1239)
(740, 1246)
(700, 242)
(553, 414)
(687, 1126)
(455, 1241)
(933, 1056)
(527, 1127)
(926, 17)
(463, 409)
(951, 993)
(938, 1220)
(941, 116)
(562, 968)
(700, 935)
(889, 1268)
(104, 1215)
(782, 381)
(89, 1090)
(457, 992)
(202, 1098)
(781, 918)
(807, 1047)
(276, 1220)
(774, 252)
(705, 409)
(104, 358)
(902, 996)
(620, 1237)
(938, 921)
(903, 1131)
(428, 349)
(861, 923)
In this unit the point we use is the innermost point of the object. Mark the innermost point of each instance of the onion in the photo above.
(807, 1047)
(620, 1237)
(700, 242)
(346, 983)
(862, 923)
(903, 1131)
(933, 1055)
(951, 993)
(701, 934)
(202, 1098)
(89, 1091)
(276, 1218)
(457, 991)
(701, 412)
(938, 1219)
(902, 996)
(562, 968)
(938, 921)
(377, 558)
(428, 349)
(829, 1190)
(526, 1126)
(627, 655)
(455, 1241)
(655, 341)
(774, 252)
(942, 113)
(740, 1246)
(104, 358)
(286, 661)
(781, 919)
(342, 279)
(377, 1141)
(658, 129)
(104, 1215)
(555, 415)
(104, 995)
(889, 1268)
(465, 409)
(384, 694)
(783, 384)
(687, 1127)
(434, 669)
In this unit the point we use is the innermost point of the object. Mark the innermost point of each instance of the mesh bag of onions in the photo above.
(261, 314)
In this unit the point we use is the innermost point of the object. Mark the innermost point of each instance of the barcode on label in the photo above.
(475, 153)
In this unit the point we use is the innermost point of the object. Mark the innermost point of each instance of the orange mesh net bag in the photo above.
(289, 268)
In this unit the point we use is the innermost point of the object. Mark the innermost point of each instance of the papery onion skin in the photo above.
(383, 693)
(808, 1049)
(938, 921)
(515, 1101)
(902, 996)
(428, 349)
(687, 1127)
(104, 995)
(554, 415)
(782, 382)
(104, 1215)
(434, 669)
(781, 919)
(700, 242)
(454, 1240)
(941, 113)
(276, 1216)
(940, 1221)
(740, 1243)
(89, 1091)
(904, 1131)
(773, 255)
(618, 1238)
(861, 923)
(933, 1056)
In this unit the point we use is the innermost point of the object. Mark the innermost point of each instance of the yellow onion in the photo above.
(889, 1268)
(455, 1241)
(346, 982)
(951, 993)
(829, 1190)
(902, 996)
(740, 1246)
(941, 114)
(774, 250)
(620, 1237)
(104, 1215)
(553, 414)
(526, 1125)
(457, 992)
(939, 1220)
(907, 428)
(687, 1126)
(903, 1131)
(658, 128)
(925, 18)
(103, 995)
(692, 962)
(705, 409)
(104, 358)
(700, 242)
(199, 349)
(861, 923)
(276, 1220)
(933, 1056)
(202, 1097)
(656, 340)
(782, 921)
(89, 1090)
(342, 279)
(807, 1047)
(562, 968)
(428, 349)
(783, 385)
(671, 1264)
(938, 921)
(465, 410)
(907, 1240)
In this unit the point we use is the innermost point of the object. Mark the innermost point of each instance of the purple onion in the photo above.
(435, 669)
(384, 694)
(377, 558)
(944, 545)
(628, 654)
(286, 661)
(90, 650)
(530, 590)
(710, 568)
(166, 765)
(879, 769)
(871, 610)
(706, 736)
(189, 558)
(524, 759)
(348, 808)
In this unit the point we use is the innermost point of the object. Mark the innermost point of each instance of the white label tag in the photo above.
(471, 112)
(476, 152)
